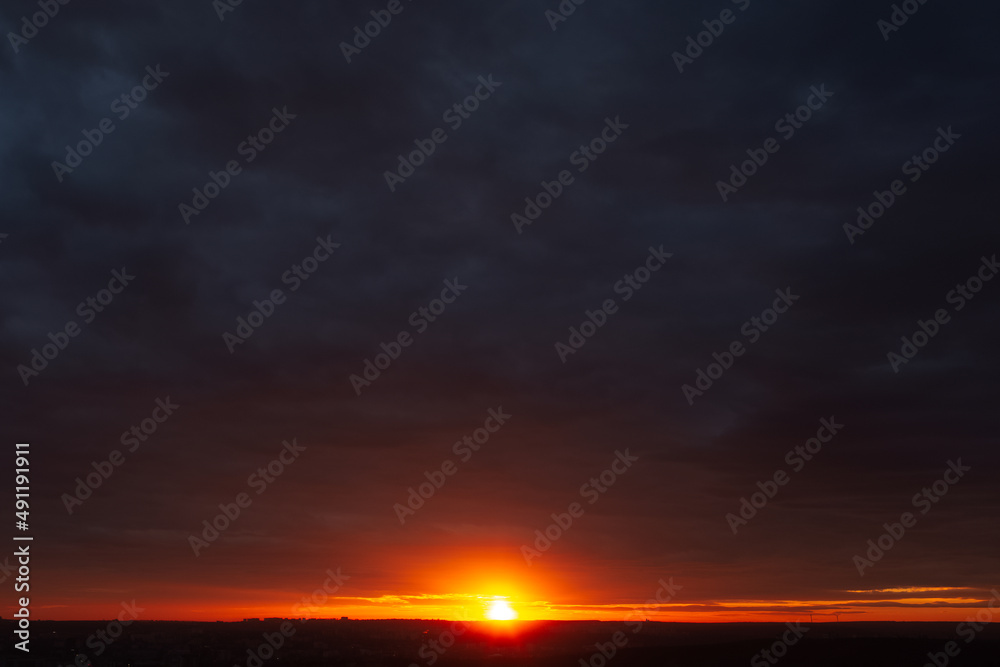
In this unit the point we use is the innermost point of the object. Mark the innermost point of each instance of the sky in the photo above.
(631, 263)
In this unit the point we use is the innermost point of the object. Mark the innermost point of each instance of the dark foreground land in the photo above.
(332, 643)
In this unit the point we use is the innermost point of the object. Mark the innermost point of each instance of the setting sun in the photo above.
(500, 610)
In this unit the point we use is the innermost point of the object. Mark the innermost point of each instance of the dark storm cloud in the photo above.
(656, 185)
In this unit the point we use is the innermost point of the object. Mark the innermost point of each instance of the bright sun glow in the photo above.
(500, 610)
